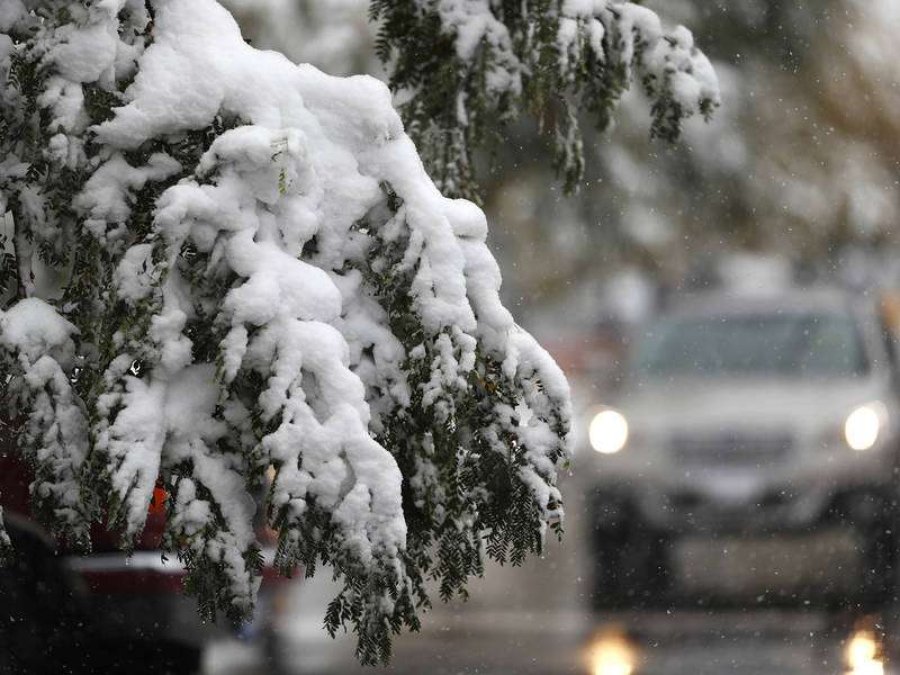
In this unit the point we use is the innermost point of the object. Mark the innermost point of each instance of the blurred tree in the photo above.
(800, 161)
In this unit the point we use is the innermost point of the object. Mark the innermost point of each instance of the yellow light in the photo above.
(608, 432)
(862, 654)
(612, 654)
(862, 427)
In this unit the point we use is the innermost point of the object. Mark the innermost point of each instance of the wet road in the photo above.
(533, 621)
(681, 642)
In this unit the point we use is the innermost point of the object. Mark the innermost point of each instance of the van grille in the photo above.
(731, 448)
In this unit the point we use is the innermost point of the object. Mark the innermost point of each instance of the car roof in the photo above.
(795, 300)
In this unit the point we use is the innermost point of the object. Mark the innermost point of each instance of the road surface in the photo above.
(533, 621)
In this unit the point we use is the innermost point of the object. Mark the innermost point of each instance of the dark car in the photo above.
(65, 612)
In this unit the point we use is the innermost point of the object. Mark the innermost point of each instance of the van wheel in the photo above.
(880, 565)
(631, 570)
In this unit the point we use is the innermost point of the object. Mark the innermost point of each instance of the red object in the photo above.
(126, 581)
(158, 501)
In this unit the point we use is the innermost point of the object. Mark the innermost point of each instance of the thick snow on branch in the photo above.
(262, 280)
(39, 350)
(634, 35)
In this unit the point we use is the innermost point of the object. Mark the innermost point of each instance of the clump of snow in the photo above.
(32, 328)
(11, 11)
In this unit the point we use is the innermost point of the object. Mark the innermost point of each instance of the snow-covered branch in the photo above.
(465, 67)
(235, 267)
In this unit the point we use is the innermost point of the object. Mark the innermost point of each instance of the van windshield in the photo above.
(789, 345)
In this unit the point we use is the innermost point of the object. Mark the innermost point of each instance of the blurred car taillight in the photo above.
(158, 501)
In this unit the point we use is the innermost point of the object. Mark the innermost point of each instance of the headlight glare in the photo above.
(863, 426)
(608, 432)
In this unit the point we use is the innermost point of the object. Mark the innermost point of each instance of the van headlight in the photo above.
(864, 425)
(608, 432)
